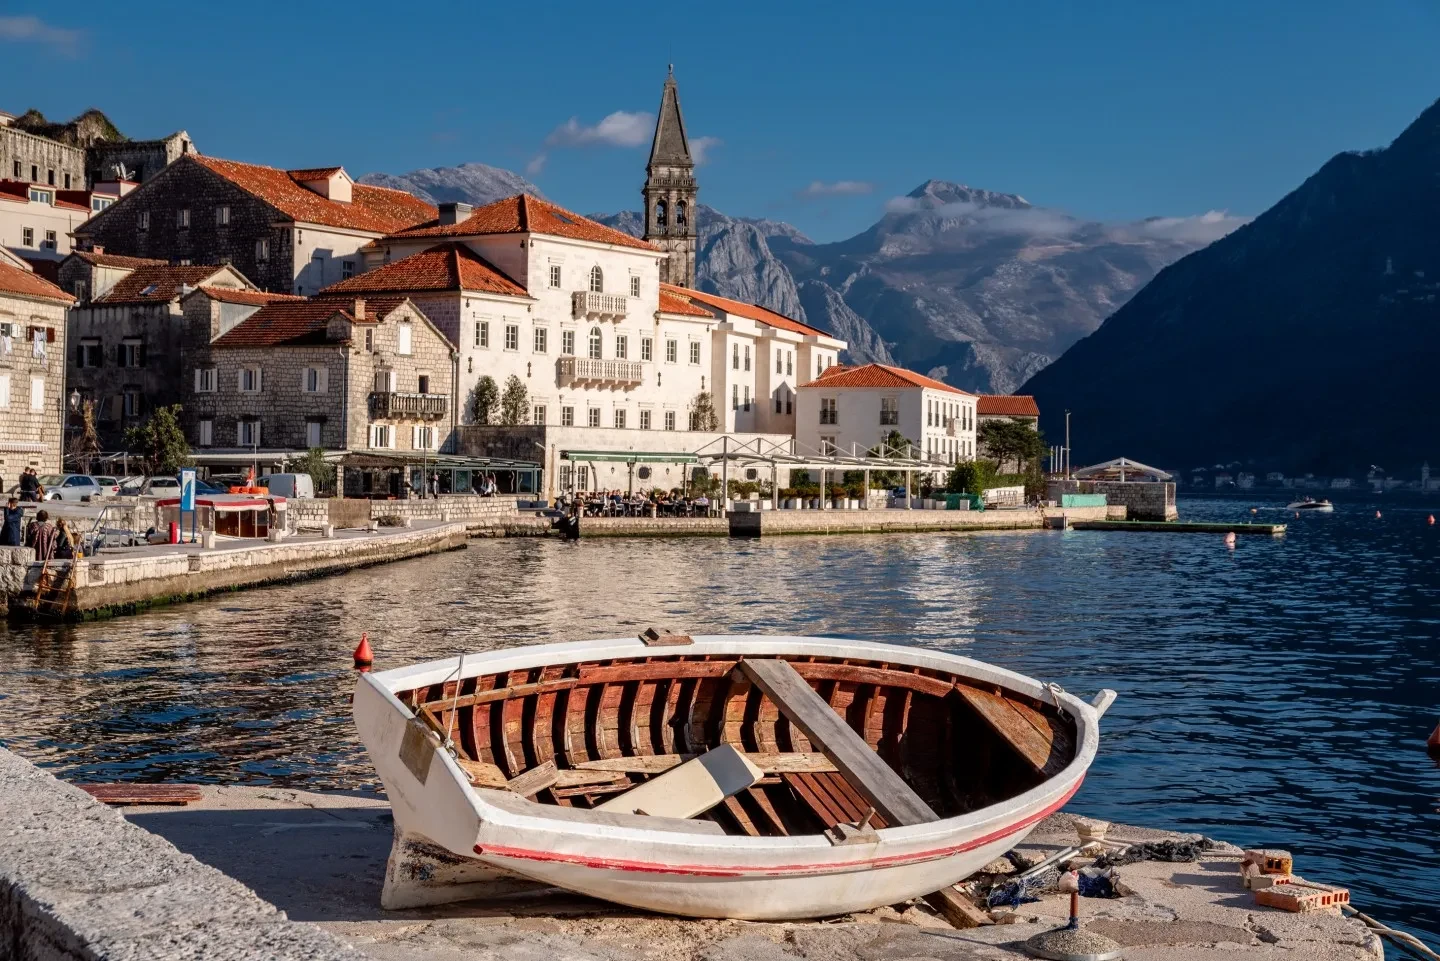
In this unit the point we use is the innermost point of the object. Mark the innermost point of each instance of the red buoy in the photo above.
(1433, 745)
(1377, 515)
(1432, 518)
(364, 657)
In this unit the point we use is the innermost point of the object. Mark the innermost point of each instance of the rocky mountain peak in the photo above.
(939, 193)
(470, 183)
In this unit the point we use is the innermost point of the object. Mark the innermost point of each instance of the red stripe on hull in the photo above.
(726, 871)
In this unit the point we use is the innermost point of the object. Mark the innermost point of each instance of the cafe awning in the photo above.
(630, 456)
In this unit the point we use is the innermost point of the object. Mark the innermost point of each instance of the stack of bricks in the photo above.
(1269, 873)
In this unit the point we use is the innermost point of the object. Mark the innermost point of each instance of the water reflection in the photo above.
(1278, 693)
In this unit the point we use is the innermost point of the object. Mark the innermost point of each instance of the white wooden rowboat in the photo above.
(876, 773)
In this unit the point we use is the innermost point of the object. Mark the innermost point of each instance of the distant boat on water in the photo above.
(1311, 504)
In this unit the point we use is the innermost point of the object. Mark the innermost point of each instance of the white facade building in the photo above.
(853, 409)
(36, 219)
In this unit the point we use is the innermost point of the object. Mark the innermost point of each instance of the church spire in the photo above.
(670, 191)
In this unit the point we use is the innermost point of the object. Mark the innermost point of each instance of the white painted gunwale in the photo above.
(744, 853)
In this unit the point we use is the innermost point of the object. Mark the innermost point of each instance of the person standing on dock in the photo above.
(12, 527)
(43, 537)
(29, 485)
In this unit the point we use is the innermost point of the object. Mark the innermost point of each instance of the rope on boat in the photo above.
(1403, 940)
(1055, 691)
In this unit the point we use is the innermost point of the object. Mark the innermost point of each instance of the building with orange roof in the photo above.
(37, 220)
(126, 332)
(289, 231)
(1020, 407)
(32, 370)
(853, 409)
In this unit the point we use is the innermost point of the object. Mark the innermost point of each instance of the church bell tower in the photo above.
(670, 191)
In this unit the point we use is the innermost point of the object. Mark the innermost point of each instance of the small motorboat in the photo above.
(1311, 504)
(760, 778)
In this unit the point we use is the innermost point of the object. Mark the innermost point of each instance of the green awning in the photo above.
(630, 456)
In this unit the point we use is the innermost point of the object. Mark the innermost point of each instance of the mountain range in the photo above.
(1306, 340)
(976, 288)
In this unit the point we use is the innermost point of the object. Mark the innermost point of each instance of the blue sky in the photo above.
(814, 113)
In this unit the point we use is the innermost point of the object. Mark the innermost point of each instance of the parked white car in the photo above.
(70, 487)
(152, 486)
(288, 485)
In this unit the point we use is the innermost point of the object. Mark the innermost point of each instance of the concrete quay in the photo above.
(892, 520)
(247, 869)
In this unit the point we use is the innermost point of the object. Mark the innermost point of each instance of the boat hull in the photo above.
(456, 841)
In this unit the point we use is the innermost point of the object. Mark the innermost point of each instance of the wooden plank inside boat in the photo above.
(1047, 746)
(535, 780)
(142, 793)
(862, 767)
(782, 763)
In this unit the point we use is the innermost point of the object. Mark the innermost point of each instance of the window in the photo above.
(647, 348)
(37, 393)
(182, 217)
(100, 203)
(4, 390)
(660, 212)
(622, 346)
(670, 420)
(594, 343)
(247, 431)
(634, 286)
(384, 381)
(735, 356)
(567, 343)
(694, 421)
(222, 215)
(828, 412)
(142, 222)
(620, 417)
(35, 173)
(132, 402)
(15, 169)
(827, 445)
(482, 333)
(41, 196)
(818, 369)
(27, 236)
(382, 436)
(593, 417)
(313, 428)
(205, 433)
(542, 340)
(205, 380)
(597, 280)
(315, 380)
(747, 397)
(249, 380)
(89, 353)
(422, 438)
(789, 403)
(50, 177)
(49, 240)
(539, 414)
(567, 417)
(262, 247)
(555, 276)
(671, 351)
(645, 420)
(889, 411)
(369, 340)
(347, 269)
(695, 353)
(778, 404)
(747, 356)
(132, 352)
(67, 181)
(779, 361)
(734, 396)
(402, 340)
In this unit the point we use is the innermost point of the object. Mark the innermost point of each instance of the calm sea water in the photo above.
(1279, 693)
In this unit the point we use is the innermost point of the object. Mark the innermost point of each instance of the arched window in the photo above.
(661, 212)
(597, 280)
(680, 214)
(595, 342)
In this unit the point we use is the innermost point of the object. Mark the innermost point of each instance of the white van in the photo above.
(287, 485)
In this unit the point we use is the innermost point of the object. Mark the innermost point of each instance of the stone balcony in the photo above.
(388, 405)
(584, 372)
(588, 305)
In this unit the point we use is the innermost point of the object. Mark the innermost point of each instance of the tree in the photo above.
(85, 443)
(971, 477)
(321, 471)
(514, 402)
(484, 400)
(1011, 440)
(159, 442)
(894, 445)
(702, 410)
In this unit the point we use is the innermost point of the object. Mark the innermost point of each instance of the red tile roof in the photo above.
(672, 302)
(373, 209)
(24, 283)
(156, 284)
(299, 322)
(523, 213)
(236, 295)
(741, 309)
(314, 173)
(1006, 405)
(114, 260)
(878, 375)
(20, 190)
(448, 266)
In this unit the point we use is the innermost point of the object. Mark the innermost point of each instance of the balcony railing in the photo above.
(605, 373)
(592, 306)
(389, 404)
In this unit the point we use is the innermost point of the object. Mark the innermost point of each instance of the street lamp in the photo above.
(75, 401)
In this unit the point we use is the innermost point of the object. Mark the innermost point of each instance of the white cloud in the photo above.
(1202, 229)
(700, 148)
(34, 30)
(1050, 222)
(619, 129)
(839, 188)
(536, 164)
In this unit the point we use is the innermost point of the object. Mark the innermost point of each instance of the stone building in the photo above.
(289, 231)
(277, 373)
(34, 159)
(670, 191)
(134, 160)
(852, 409)
(126, 333)
(32, 370)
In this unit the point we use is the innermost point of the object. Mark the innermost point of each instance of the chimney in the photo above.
(454, 212)
(359, 310)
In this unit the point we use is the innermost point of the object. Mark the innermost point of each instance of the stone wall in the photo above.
(763, 523)
(78, 882)
(1144, 501)
(157, 381)
(143, 159)
(30, 434)
(654, 527)
(44, 155)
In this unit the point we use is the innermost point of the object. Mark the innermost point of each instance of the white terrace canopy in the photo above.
(1122, 469)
